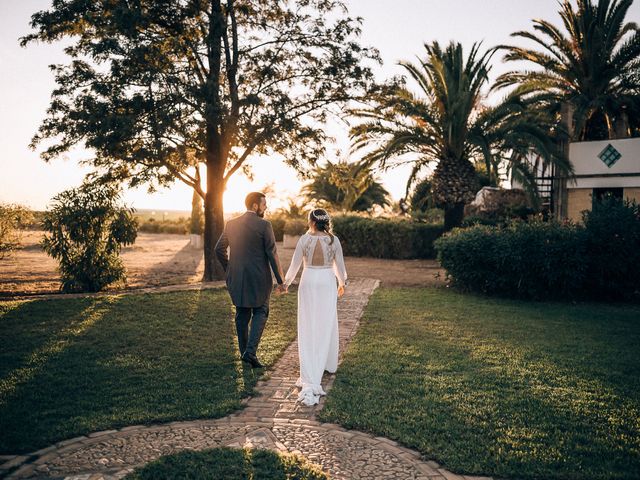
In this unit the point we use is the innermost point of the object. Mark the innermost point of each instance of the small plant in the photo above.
(13, 218)
(86, 229)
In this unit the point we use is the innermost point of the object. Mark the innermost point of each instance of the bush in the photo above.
(597, 260)
(278, 227)
(13, 218)
(178, 227)
(86, 229)
(295, 227)
(385, 238)
(498, 207)
(613, 249)
(529, 260)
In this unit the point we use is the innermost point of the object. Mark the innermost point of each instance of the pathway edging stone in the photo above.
(271, 419)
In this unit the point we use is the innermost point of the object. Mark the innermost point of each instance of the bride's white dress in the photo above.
(317, 310)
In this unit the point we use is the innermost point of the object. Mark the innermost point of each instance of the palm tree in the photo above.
(346, 187)
(446, 125)
(593, 66)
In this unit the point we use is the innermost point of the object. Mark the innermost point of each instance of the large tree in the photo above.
(446, 127)
(344, 186)
(158, 88)
(592, 65)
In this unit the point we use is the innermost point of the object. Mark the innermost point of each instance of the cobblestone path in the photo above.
(272, 419)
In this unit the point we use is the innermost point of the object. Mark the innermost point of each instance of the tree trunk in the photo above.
(213, 222)
(216, 158)
(453, 215)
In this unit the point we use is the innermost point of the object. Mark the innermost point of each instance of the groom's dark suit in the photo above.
(248, 268)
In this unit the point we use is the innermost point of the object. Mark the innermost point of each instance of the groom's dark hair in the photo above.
(253, 197)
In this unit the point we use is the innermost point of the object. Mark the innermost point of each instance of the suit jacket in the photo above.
(252, 246)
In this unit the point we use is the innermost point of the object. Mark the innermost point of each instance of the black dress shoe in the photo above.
(252, 360)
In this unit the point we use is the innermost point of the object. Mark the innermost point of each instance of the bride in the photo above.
(320, 252)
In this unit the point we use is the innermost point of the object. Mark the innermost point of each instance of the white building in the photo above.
(600, 167)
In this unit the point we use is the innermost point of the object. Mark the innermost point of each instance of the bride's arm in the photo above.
(296, 261)
(338, 263)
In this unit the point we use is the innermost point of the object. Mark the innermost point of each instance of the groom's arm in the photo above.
(272, 253)
(221, 249)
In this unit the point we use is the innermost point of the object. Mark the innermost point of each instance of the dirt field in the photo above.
(163, 259)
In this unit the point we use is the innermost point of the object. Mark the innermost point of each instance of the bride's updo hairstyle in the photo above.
(322, 220)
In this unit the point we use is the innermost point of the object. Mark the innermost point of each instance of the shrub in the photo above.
(597, 260)
(278, 227)
(498, 206)
(86, 229)
(13, 218)
(295, 226)
(613, 248)
(385, 238)
(529, 260)
(178, 227)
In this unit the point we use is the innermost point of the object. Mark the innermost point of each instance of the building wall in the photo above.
(578, 199)
(632, 194)
(585, 161)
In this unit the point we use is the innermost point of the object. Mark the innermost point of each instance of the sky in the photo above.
(398, 28)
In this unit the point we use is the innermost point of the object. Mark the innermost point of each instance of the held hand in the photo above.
(340, 290)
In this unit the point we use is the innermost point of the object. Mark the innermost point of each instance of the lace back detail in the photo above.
(311, 242)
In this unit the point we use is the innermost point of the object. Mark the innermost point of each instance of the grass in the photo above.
(74, 366)
(228, 464)
(497, 387)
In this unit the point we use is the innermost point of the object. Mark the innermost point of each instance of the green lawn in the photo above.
(70, 367)
(497, 387)
(228, 464)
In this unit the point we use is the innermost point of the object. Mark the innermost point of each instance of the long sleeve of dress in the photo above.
(338, 264)
(296, 262)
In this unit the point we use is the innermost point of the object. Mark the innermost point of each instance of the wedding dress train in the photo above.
(322, 262)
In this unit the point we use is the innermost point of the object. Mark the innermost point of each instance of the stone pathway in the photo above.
(272, 419)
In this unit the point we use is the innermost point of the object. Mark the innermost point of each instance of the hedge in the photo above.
(180, 227)
(385, 238)
(549, 260)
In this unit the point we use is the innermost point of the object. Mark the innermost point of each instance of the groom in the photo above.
(252, 251)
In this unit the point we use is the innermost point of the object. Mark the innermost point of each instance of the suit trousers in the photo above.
(250, 322)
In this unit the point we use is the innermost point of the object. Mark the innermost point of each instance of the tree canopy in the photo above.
(592, 65)
(445, 125)
(346, 187)
(158, 88)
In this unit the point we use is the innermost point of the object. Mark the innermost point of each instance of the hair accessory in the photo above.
(324, 217)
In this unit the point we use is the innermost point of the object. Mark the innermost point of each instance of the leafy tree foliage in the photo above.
(593, 66)
(422, 196)
(445, 124)
(158, 89)
(346, 187)
(86, 228)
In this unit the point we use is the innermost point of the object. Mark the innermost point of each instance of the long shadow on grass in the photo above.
(146, 359)
(483, 408)
(179, 269)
